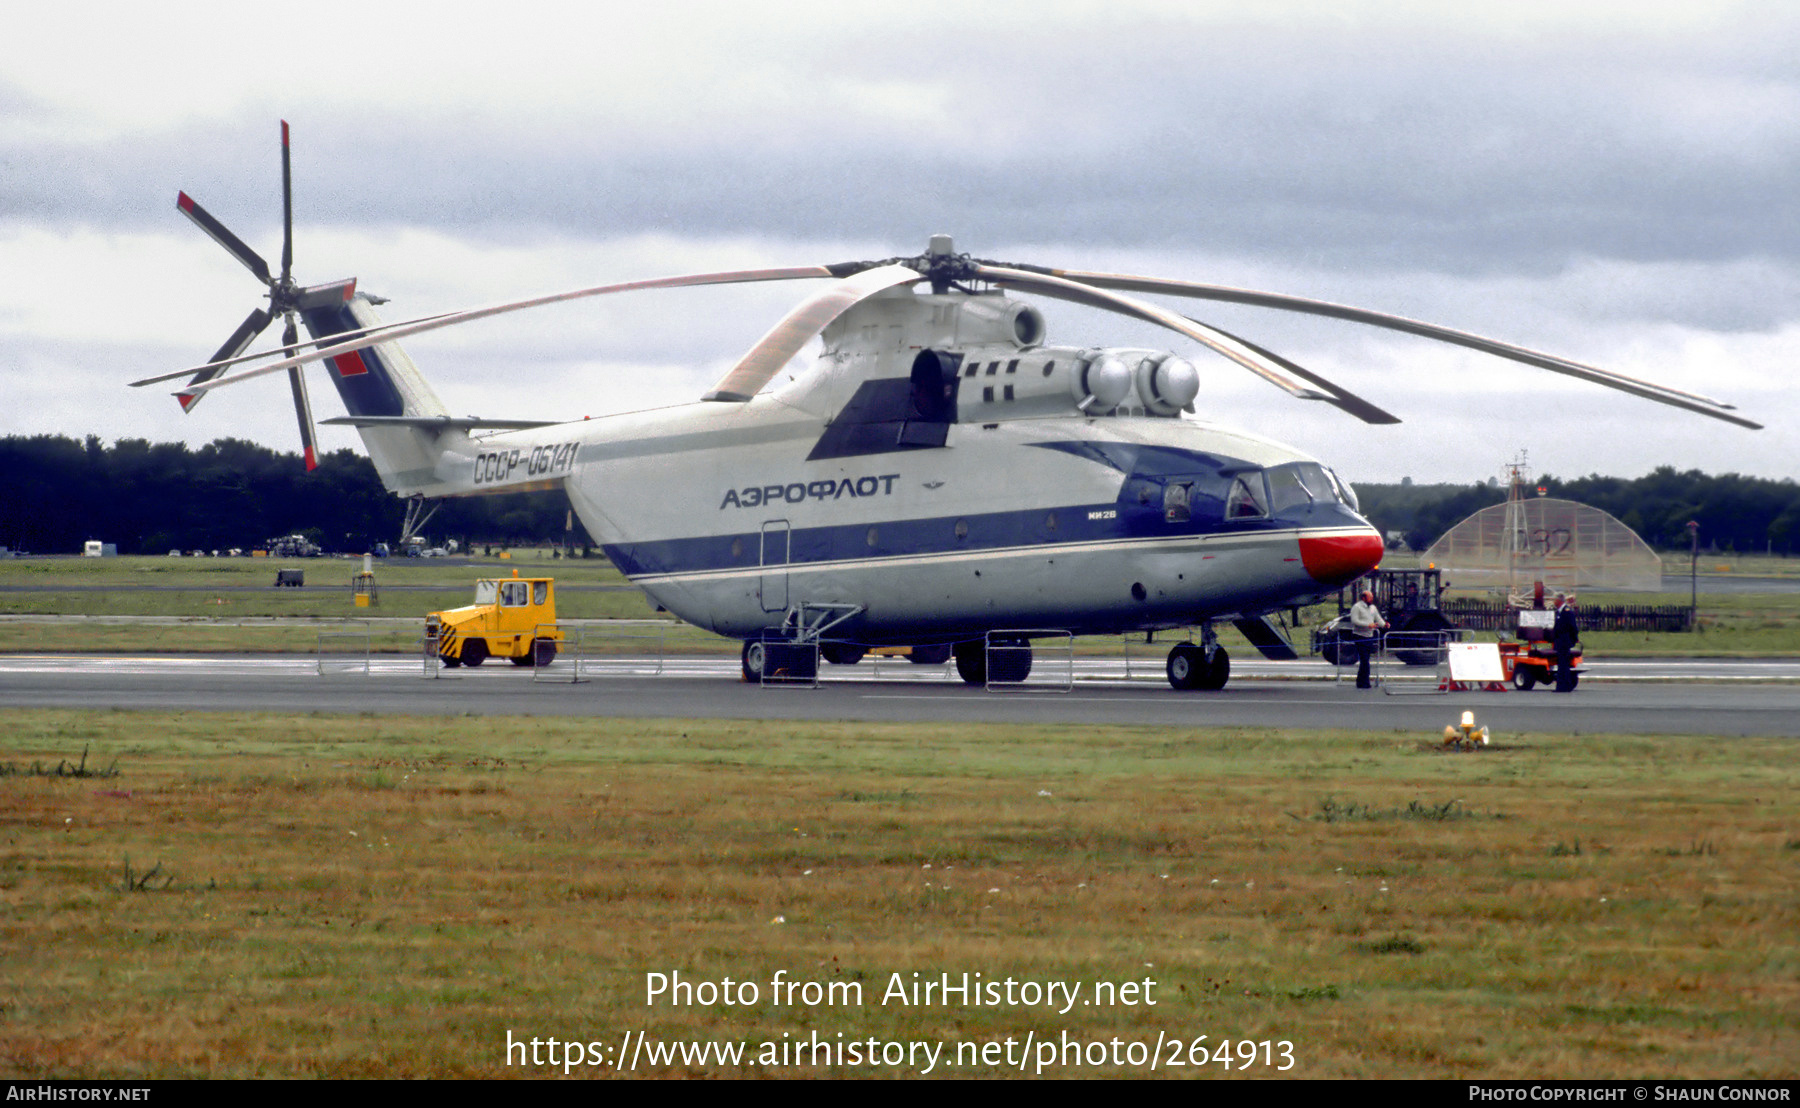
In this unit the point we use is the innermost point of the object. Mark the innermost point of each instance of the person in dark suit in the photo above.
(1564, 635)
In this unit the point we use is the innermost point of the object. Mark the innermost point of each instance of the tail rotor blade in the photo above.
(287, 210)
(253, 325)
(221, 235)
(309, 447)
(303, 412)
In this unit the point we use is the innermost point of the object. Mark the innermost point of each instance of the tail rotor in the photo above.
(286, 299)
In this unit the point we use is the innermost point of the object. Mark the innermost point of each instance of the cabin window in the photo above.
(514, 594)
(485, 591)
(987, 394)
(873, 537)
(1008, 394)
(1248, 498)
(540, 591)
(962, 529)
(1176, 502)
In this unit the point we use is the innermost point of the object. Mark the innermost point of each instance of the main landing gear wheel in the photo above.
(1189, 670)
(842, 653)
(1011, 661)
(474, 652)
(935, 655)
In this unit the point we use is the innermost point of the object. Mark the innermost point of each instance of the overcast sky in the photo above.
(1613, 182)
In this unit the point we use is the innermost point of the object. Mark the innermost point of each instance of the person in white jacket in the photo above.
(1366, 626)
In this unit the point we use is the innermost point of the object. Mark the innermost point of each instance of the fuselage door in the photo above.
(774, 587)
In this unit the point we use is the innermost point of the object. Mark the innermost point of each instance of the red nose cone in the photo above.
(1340, 559)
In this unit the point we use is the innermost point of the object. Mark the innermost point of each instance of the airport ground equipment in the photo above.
(1411, 600)
(505, 621)
(1530, 659)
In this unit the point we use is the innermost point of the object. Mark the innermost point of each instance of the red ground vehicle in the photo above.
(1530, 660)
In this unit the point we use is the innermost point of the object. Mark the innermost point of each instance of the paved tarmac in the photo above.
(1675, 696)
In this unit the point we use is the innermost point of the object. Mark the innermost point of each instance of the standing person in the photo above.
(1564, 635)
(1365, 625)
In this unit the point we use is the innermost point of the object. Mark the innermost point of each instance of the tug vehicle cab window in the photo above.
(485, 591)
(540, 591)
(514, 594)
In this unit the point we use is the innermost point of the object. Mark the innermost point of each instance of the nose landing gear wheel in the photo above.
(1190, 670)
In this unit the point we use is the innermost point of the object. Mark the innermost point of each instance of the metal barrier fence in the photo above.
(357, 649)
(571, 652)
(1013, 665)
(793, 665)
(1397, 662)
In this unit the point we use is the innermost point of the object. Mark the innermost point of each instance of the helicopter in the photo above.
(944, 477)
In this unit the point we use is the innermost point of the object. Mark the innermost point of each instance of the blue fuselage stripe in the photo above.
(938, 535)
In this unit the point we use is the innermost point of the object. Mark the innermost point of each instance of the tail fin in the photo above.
(404, 425)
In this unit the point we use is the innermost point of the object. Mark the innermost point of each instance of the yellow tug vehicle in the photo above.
(511, 618)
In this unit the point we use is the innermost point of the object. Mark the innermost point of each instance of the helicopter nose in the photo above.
(1340, 559)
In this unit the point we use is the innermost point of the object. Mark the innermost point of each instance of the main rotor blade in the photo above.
(287, 211)
(433, 323)
(1059, 288)
(253, 325)
(1663, 394)
(787, 338)
(1340, 396)
(204, 220)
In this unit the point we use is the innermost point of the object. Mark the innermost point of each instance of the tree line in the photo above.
(152, 498)
(1745, 515)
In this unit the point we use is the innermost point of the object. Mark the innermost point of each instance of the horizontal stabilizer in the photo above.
(1265, 635)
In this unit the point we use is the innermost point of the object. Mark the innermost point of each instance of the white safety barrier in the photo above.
(348, 651)
(1398, 678)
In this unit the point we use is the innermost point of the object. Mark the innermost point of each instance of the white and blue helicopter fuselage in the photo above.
(934, 478)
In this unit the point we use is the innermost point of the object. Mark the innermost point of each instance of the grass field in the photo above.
(260, 895)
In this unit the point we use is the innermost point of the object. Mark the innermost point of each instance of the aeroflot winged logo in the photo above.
(799, 491)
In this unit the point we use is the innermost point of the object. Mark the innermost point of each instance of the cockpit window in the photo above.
(1300, 484)
(1248, 498)
(1344, 491)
